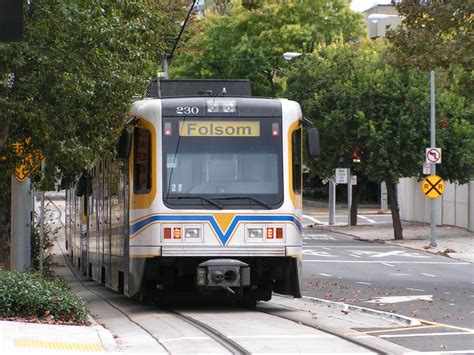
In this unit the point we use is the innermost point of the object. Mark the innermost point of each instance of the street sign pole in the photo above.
(433, 165)
(349, 196)
(332, 201)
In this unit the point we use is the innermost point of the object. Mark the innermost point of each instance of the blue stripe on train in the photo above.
(223, 237)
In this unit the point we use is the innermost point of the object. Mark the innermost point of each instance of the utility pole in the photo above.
(21, 210)
(433, 165)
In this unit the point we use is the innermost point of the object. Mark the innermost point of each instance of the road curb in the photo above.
(107, 340)
(407, 321)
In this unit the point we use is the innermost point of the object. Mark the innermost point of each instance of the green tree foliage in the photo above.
(434, 34)
(250, 43)
(69, 84)
(359, 102)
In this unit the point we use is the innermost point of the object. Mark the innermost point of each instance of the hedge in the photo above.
(36, 297)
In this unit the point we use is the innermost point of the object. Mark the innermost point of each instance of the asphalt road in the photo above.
(341, 219)
(435, 289)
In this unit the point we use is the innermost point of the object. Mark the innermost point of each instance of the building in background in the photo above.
(377, 28)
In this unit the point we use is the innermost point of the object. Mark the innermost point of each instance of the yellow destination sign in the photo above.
(432, 186)
(219, 129)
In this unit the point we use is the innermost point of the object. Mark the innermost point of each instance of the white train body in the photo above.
(208, 200)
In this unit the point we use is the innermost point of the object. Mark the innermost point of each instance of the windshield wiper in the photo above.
(216, 204)
(253, 199)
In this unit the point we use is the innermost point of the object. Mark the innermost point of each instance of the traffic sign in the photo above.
(433, 155)
(432, 186)
(29, 161)
(341, 176)
(426, 169)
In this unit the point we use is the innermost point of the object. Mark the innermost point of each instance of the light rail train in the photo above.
(204, 193)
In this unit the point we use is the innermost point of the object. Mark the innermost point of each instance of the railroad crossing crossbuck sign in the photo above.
(432, 186)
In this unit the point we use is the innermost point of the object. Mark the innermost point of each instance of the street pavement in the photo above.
(436, 283)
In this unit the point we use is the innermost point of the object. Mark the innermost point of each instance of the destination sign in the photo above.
(219, 129)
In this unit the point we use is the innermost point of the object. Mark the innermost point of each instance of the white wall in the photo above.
(455, 207)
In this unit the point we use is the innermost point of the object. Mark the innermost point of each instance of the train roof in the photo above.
(166, 88)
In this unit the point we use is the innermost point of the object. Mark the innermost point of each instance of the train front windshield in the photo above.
(222, 163)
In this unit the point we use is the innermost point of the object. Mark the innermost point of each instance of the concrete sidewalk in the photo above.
(451, 241)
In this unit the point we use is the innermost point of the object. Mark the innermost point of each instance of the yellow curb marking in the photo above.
(469, 330)
(393, 330)
(430, 325)
(27, 343)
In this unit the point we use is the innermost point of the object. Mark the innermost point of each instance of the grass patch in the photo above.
(36, 297)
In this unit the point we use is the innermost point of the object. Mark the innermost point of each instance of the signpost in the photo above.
(433, 154)
(22, 206)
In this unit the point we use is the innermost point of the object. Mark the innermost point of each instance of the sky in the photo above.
(361, 5)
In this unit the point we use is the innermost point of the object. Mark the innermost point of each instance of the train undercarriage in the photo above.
(242, 279)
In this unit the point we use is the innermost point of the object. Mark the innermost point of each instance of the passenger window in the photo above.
(142, 161)
(296, 154)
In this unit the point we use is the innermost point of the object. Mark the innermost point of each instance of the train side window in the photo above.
(142, 161)
(296, 157)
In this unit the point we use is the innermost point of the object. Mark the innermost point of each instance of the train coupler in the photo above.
(223, 273)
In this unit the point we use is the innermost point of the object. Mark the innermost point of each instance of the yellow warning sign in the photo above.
(29, 161)
(432, 186)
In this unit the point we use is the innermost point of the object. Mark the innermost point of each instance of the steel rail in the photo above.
(215, 335)
(79, 279)
(325, 330)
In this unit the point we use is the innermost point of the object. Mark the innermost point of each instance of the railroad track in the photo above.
(222, 330)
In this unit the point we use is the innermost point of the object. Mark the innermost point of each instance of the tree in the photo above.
(434, 34)
(68, 85)
(250, 43)
(359, 102)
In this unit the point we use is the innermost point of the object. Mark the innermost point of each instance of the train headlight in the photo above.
(219, 105)
(191, 233)
(255, 233)
(228, 107)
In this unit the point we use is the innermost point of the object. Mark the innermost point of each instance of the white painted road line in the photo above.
(367, 219)
(429, 275)
(280, 336)
(313, 219)
(399, 299)
(423, 335)
(387, 264)
(363, 283)
(324, 274)
(380, 262)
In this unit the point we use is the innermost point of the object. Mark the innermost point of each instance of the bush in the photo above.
(36, 297)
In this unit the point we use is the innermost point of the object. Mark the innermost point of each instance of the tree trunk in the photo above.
(356, 192)
(393, 201)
